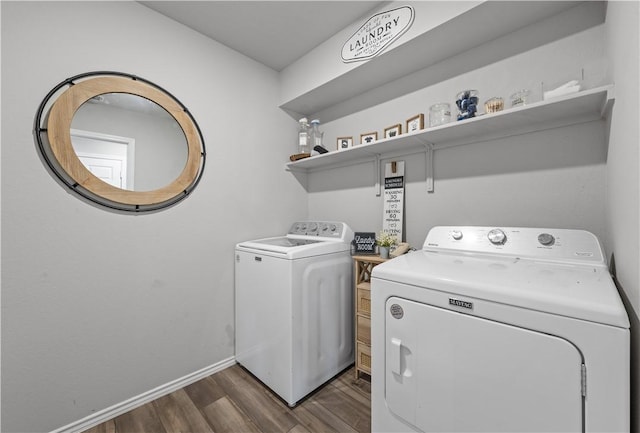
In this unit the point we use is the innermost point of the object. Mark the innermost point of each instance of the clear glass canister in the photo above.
(520, 98)
(439, 114)
(467, 102)
(494, 105)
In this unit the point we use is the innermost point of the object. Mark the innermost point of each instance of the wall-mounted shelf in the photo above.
(399, 70)
(581, 107)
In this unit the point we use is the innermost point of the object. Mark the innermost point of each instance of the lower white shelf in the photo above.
(580, 107)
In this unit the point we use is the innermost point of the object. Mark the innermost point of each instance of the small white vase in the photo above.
(384, 252)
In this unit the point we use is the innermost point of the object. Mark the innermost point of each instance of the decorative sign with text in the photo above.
(393, 199)
(365, 242)
(377, 34)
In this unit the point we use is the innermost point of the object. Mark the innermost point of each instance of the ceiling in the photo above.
(274, 33)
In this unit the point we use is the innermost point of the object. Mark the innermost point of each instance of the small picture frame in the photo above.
(393, 131)
(343, 143)
(368, 138)
(416, 123)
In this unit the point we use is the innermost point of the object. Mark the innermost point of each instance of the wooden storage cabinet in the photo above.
(363, 265)
(363, 360)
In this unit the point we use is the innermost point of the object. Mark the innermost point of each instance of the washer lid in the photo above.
(286, 242)
(581, 291)
(304, 239)
(293, 247)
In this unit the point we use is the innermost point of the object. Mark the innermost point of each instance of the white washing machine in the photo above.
(294, 307)
(499, 330)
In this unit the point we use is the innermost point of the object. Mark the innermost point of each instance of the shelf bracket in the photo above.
(428, 164)
(610, 97)
(377, 175)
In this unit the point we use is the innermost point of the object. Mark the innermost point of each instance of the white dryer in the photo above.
(294, 307)
(499, 330)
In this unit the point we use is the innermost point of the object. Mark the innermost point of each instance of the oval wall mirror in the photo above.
(120, 141)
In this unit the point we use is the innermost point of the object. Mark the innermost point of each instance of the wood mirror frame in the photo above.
(56, 147)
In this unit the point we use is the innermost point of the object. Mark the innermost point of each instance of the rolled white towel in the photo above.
(572, 86)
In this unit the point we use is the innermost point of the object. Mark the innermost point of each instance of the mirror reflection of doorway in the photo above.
(110, 158)
(106, 168)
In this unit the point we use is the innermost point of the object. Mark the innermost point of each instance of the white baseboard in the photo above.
(125, 406)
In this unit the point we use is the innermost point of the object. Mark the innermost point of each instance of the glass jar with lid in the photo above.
(520, 98)
(439, 114)
(467, 102)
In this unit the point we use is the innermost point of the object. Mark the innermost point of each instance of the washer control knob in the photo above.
(456, 234)
(546, 239)
(497, 237)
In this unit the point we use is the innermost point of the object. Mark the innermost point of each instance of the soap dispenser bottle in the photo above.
(317, 146)
(304, 141)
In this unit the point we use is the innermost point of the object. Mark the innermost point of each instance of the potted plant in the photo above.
(385, 241)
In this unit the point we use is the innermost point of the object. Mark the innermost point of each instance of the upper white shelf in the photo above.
(406, 67)
(581, 107)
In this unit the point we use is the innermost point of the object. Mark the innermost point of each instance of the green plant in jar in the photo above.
(386, 239)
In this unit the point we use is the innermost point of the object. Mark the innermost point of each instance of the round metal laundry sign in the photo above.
(377, 34)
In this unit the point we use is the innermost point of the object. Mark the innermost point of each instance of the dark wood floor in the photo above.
(233, 401)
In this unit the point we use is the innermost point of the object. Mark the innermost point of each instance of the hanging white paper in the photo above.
(392, 219)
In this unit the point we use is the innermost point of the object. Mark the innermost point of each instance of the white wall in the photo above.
(623, 161)
(98, 307)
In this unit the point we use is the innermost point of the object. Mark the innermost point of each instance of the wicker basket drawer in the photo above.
(364, 329)
(363, 357)
(364, 302)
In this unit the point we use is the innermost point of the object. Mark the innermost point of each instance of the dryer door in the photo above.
(447, 371)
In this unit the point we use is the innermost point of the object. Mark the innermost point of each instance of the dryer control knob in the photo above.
(497, 237)
(546, 239)
(456, 234)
